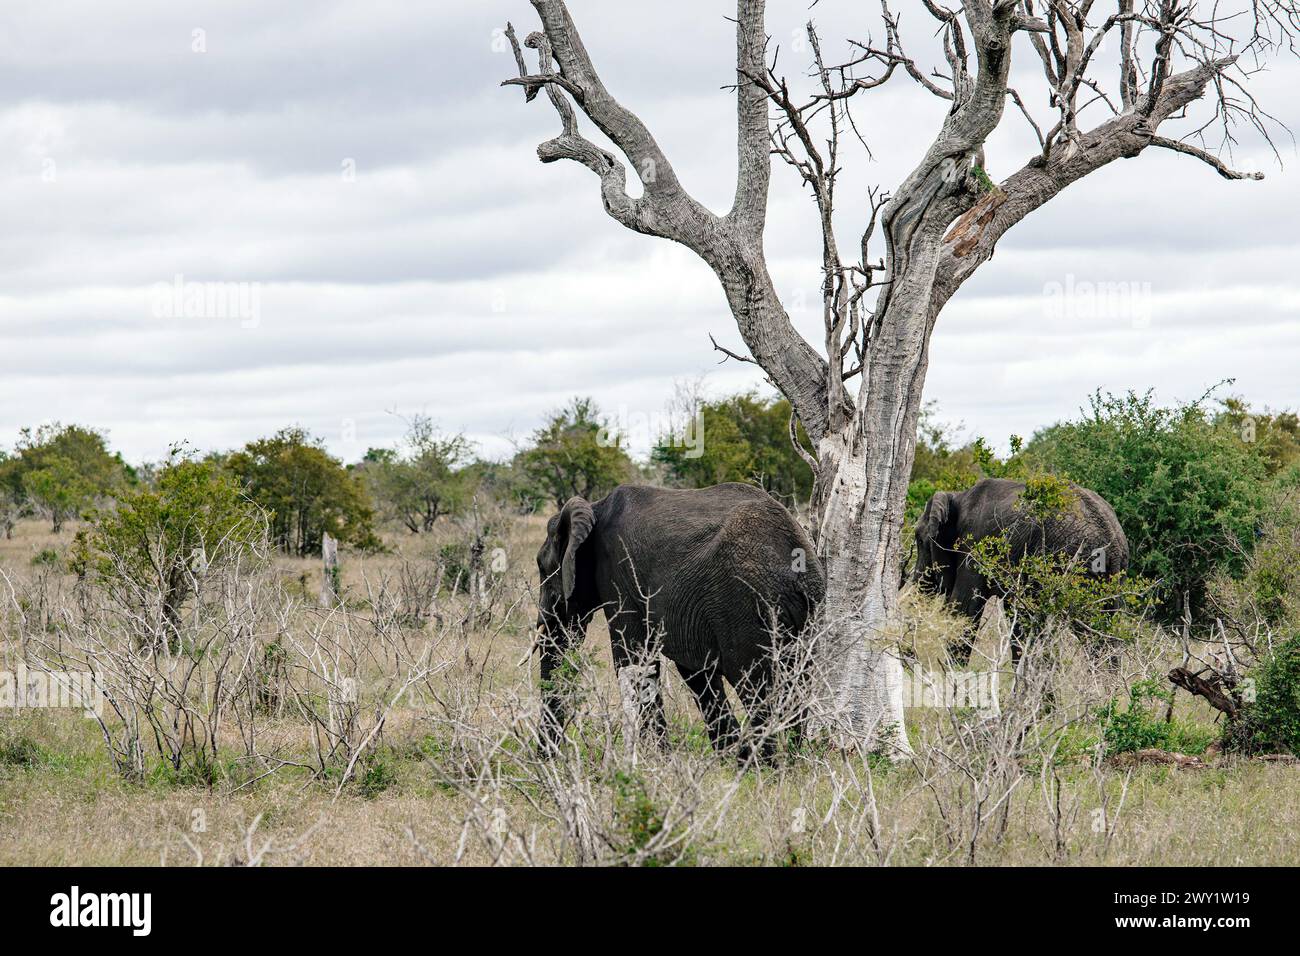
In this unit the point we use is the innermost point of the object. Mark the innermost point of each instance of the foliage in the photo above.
(460, 560)
(640, 825)
(1267, 592)
(1271, 722)
(1140, 725)
(939, 465)
(152, 551)
(1187, 494)
(378, 773)
(742, 437)
(574, 453)
(59, 470)
(1056, 586)
(1273, 436)
(421, 482)
(1046, 495)
(305, 491)
(501, 482)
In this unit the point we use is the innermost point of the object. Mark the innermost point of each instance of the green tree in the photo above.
(500, 481)
(1274, 436)
(156, 547)
(423, 481)
(940, 464)
(306, 492)
(1188, 494)
(574, 453)
(60, 470)
(11, 504)
(742, 437)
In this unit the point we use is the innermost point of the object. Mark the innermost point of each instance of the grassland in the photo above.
(444, 773)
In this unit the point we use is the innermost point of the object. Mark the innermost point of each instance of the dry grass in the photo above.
(450, 778)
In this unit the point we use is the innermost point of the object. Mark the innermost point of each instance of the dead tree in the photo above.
(331, 587)
(919, 243)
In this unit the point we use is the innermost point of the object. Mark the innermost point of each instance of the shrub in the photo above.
(1268, 590)
(154, 550)
(1140, 726)
(464, 561)
(939, 465)
(1272, 721)
(45, 558)
(1043, 587)
(1188, 494)
(306, 492)
(423, 481)
(575, 453)
(377, 774)
(58, 471)
(642, 834)
(742, 438)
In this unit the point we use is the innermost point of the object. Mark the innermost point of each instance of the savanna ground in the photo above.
(398, 729)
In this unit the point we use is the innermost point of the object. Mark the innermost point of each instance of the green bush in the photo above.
(377, 773)
(575, 453)
(306, 492)
(461, 559)
(742, 438)
(1268, 589)
(1271, 723)
(155, 548)
(639, 821)
(940, 464)
(21, 751)
(424, 480)
(1140, 726)
(1187, 493)
(57, 471)
(1053, 586)
(45, 558)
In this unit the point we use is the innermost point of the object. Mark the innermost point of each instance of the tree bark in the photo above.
(857, 509)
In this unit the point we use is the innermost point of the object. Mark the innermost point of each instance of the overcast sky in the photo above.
(355, 166)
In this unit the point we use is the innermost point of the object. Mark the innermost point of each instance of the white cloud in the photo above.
(460, 277)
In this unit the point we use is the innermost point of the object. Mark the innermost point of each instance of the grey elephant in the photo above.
(955, 520)
(710, 577)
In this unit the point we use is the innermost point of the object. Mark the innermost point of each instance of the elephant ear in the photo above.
(940, 515)
(577, 518)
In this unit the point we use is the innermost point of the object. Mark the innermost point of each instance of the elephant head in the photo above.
(560, 603)
(565, 605)
(936, 539)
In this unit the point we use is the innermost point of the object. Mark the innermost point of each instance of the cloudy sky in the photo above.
(357, 170)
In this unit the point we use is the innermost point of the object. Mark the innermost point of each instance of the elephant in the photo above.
(714, 578)
(954, 520)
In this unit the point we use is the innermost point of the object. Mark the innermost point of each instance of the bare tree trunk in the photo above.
(330, 588)
(865, 676)
(857, 506)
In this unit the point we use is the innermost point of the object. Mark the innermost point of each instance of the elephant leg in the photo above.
(555, 711)
(653, 725)
(756, 692)
(969, 597)
(960, 647)
(711, 696)
(638, 681)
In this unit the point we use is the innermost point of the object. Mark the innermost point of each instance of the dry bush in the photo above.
(402, 724)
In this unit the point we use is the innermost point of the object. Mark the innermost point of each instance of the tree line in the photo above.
(1196, 485)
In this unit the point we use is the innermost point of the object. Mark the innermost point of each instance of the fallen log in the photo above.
(1210, 689)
